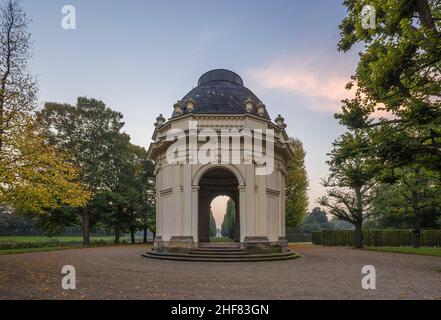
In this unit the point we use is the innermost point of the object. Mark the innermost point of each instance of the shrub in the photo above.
(377, 238)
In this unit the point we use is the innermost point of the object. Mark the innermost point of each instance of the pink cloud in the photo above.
(323, 85)
(313, 78)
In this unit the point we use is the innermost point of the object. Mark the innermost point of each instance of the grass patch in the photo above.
(65, 247)
(13, 245)
(221, 240)
(408, 250)
(78, 239)
(30, 250)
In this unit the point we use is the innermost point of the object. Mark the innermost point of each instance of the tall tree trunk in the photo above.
(425, 15)
(359, 234)
(144, 237)
(132, 234)
(417, 225)
(86, 225)
(359, 219)
(417, 234)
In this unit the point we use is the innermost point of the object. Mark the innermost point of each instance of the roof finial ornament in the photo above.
(249, 105)
(280, 121)
(190, 105)
(178, 108)
(261, 109)
(160, 121)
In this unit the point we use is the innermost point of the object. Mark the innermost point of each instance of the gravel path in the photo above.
(121, 273)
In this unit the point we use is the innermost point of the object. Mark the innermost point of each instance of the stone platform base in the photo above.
(220, 254)
(263, 245)
(253, 245)
(176, 244)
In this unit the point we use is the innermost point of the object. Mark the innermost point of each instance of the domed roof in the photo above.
(220, 92)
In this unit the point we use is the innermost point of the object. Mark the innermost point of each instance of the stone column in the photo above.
(204, 216)
(283, 241)
(249, 213)
(187, 201)
(242, 212)
(195, 213)
(262, 210)
(158, 236)
(177, 204)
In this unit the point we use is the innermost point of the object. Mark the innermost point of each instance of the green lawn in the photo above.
(423, 251)
(214, 239)
(16, 245)
(42, 249)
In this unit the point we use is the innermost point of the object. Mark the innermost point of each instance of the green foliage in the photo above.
(296, 185)
(315, 221)
(53, 243)
(213, 228)
(399, 73)
(228, 224)
(317, 237)
(423, 251)
(53, 222)
(318, 220)
(116, 172)
(414, 201)
(34, 175)
(352, 178)
(15, 224)
(90, 131)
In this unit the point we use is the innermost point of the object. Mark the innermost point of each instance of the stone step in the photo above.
(223, 258)
(218, 250)
(220, 253)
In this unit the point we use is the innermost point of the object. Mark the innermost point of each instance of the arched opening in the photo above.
(217, 182)
(222, 219)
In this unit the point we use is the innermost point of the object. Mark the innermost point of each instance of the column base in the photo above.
(260, 244)
(175, 244)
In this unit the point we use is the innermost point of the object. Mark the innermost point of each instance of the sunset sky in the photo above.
(141, 56)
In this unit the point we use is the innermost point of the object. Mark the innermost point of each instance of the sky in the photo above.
(141, 56)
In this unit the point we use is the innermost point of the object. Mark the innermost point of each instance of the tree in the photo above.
(351, 181)
(17, 87)
(13, 224)
(227, 228)
(213, 229)
(413, 201)
(55, 221)
(34, 176)
(317, 220)
(398, 72)
(296, 185)
(136, 186)
(145, 186)
(90, 132)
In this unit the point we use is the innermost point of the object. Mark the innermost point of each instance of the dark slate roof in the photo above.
(220, 92)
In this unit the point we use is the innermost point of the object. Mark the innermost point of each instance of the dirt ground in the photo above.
(121, 273)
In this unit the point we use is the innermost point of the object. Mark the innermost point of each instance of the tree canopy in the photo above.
(227, 228)
(296, 185)
(34, 175)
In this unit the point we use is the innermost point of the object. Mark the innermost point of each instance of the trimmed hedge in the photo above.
(377, 238)
(298, 237)
(8, 245)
